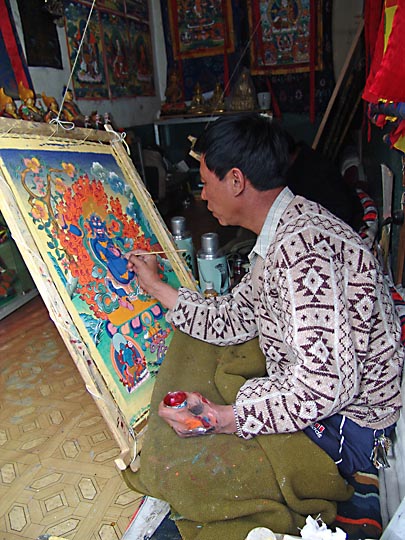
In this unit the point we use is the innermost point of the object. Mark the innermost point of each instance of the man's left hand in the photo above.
(198, 417)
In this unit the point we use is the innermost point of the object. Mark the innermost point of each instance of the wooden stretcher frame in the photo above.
(36, 196)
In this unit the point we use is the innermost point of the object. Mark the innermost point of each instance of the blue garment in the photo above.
(348, 444)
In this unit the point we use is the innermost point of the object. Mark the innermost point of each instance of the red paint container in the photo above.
(177, 400)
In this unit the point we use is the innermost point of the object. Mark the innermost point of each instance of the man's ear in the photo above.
(238, 181)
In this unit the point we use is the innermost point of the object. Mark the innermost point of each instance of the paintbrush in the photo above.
(159, 252)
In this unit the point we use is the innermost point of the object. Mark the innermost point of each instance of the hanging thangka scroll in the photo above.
(283, 35)
(201, 28)
(116, 58)
(76, 208)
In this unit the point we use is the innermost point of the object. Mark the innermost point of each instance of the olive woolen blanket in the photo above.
(221, 486)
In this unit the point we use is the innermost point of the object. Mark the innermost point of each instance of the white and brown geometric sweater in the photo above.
(326, 325)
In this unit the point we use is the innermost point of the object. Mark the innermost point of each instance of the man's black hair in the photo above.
(250, 142)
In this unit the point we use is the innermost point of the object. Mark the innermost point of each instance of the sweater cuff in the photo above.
(172, 314)
(238, 431)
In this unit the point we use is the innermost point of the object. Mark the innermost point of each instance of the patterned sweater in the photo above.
(326, 325)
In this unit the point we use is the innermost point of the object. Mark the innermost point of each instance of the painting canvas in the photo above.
(282, 33)
(141, 55)
(138, 9)
(116, 58)
(89, 77)
(82, 206)
(115, 5)
(117, 51)
(201, 28)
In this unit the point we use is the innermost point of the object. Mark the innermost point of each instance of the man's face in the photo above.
(219, 195)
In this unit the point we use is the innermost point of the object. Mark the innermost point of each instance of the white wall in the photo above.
(124, 112)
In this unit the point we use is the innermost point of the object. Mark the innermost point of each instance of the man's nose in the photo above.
(203, 196)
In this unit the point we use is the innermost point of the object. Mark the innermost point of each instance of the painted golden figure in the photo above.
(71, 111)
(217, 102)
(28, 110)
(52, 108)
(197, 105)
(174, 96)
(244, 93)
(8, 108)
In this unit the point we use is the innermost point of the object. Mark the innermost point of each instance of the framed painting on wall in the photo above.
(201, 28)
(76, 205)
(141, 58)
(116, 57)
(89, 78)
(138, 9)
(284, 35)
(117, 52)
(114, 5)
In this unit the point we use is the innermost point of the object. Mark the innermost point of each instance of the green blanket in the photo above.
(220, 485)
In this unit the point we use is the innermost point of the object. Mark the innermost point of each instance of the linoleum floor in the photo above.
(57, 471)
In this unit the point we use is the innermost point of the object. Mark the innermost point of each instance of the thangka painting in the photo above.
(84, 206)
(129, 62)
(117, 51)
(115, 5)
(116, 58)
(138, 9)
(141, 58)
(282, 35)
(201, 27)
(89, 76)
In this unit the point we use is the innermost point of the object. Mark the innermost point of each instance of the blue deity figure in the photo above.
(109, 252)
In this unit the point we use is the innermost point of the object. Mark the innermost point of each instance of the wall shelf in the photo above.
(22, 288)
(16, 302)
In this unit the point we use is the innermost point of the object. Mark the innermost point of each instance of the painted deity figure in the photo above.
(89, 56)
(130, 363)
(8, 108)
(71, 111)
(109, 253)
(28, 109)
(142, 62)
(133, 365)
(120, 67)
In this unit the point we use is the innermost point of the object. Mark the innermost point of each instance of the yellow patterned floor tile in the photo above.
(58, 480)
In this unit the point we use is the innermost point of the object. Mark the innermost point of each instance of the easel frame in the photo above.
(17, 203)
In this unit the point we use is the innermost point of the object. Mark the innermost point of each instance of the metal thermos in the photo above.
(183, 240)
(212, 265)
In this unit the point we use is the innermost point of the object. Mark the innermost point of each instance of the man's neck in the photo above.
(256, 207)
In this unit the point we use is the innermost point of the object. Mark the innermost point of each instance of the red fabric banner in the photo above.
(13, 65)
(386, 79)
